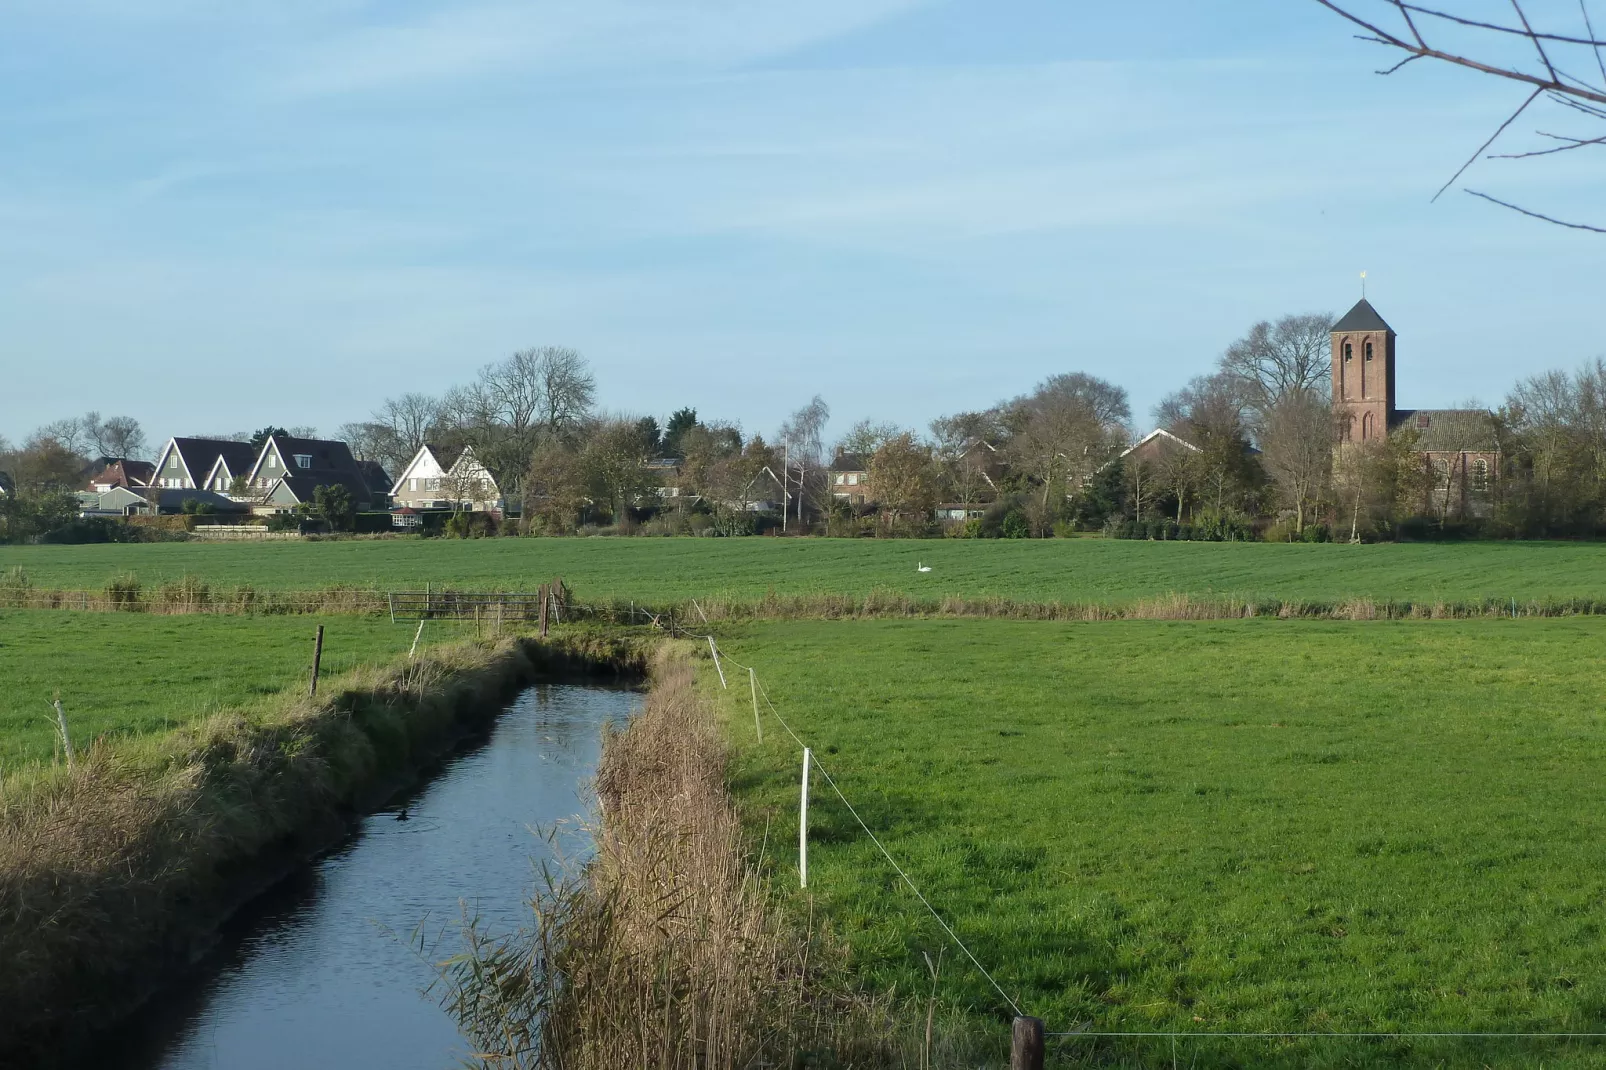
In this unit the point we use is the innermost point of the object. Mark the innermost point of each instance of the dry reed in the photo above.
(669, 950)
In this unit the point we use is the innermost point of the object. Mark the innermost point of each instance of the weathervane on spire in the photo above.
(1363, 286)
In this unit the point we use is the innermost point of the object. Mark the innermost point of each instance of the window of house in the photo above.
(1368, 350)
(1349, 351)
(1480, 474)
(1441, 472)
(841, 479)
(172, 460)
(303, 460)
(273, 461)
(412, 484)
(853, 479)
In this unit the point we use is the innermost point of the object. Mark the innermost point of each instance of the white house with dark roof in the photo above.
(438, 478)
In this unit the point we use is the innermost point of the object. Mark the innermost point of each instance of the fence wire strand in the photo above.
(1156, 1034)
(893, 862)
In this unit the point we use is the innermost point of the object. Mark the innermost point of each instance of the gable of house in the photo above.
(302, 464)
(122, 472)
(185, 463)
(438, 478)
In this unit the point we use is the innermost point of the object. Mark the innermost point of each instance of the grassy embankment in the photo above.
(840, 577)
(122, 677)
(112, 872)
(1208, 827)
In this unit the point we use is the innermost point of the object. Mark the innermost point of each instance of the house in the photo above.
(189, 463)
(7, 487)
(438, 478)
(1458, 447)
(1156, 447)
(170, 500)
(121, 472)
(850, 477)
(230, 466)
(288, 472)
(665, 473)
(118, 501)
(378, 482)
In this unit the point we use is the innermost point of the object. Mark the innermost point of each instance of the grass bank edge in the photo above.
(113, 873)
(192, 595)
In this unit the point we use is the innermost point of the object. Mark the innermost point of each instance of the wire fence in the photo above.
(1088, 1032)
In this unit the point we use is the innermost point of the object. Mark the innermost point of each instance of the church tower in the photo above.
(1363, 374)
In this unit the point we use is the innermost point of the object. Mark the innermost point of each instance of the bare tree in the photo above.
(867, 436)
(67, 433)
(516, 403)
(1208, 413)
(1562, 70)
(1278, 360)
(802, 439)
(1139, 476)
(963, 456)
(1065, 430)
(119, 436)
(1298, 443)
(615, 456)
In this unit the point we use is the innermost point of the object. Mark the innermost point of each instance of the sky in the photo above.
(219, 216)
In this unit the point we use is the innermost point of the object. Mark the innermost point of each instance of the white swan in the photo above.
(922, 568)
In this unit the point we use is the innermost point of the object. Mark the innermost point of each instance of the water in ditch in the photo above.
(324, 970)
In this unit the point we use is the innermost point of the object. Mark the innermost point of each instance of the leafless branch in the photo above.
(1538, 45)
(1408, 59)
(1555, 83)
(1498, 131)
(1537, 215)
(1462, 20)
(1589, 28)
(1572, 143)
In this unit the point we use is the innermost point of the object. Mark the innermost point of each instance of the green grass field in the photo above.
(661, 570)
(1252, 825)
(123, 675)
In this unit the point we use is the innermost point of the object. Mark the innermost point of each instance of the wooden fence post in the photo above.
(542, 614)
(317, 659)
(1026, 1044)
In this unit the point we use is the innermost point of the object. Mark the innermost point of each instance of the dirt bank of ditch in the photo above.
(116, 874)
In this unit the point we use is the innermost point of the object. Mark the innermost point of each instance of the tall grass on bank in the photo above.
(114, 871)
(668, 951)
(190, 594)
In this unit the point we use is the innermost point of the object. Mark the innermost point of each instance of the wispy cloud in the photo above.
(468, 41)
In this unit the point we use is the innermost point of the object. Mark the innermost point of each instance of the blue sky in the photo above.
(216, 216)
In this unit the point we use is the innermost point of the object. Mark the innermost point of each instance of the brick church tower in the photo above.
(1363, 374)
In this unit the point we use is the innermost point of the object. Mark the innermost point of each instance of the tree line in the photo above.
(1259, 456)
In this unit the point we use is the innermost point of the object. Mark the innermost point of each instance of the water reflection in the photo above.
(319, 973)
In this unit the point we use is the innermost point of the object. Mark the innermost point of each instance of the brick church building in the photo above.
(1459, 446)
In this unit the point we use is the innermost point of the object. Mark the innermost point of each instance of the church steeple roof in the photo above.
(1363, 317)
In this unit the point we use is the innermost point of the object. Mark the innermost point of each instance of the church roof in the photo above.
(1450, 430)
(1363, 317)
